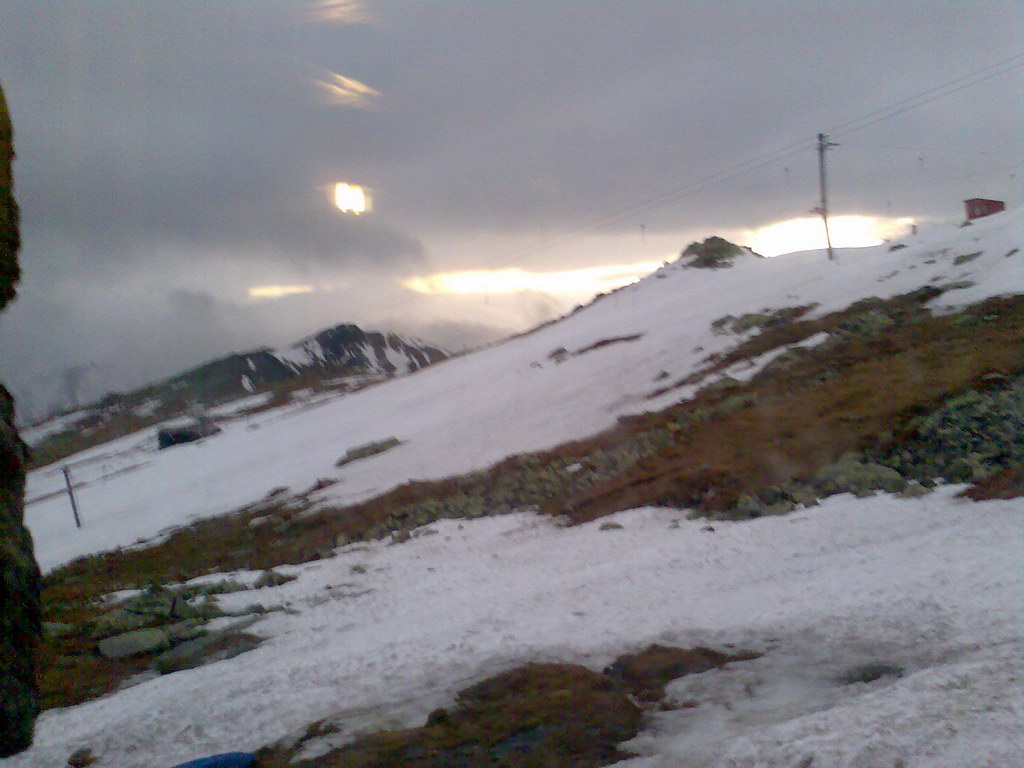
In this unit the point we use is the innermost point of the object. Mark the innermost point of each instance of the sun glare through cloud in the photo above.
(347, 91)
(589, 280)
(277, 291)
(351, 198)
(808, 233)
(341, 12)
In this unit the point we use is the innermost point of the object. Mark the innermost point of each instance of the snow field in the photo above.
(931, 585)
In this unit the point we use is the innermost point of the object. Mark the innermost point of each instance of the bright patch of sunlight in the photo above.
(351, 198)
(277, 291)
(577, 281)
(808, 233)
(341, 12)
(347, 91)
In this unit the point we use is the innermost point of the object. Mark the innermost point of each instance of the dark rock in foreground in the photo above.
(20, 622)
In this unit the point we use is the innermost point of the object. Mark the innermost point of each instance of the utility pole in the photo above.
(71, 495)
(823, 146)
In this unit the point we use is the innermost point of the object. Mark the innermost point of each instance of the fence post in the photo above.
(71, 495)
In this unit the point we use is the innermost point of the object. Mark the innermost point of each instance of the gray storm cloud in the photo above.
(171, 155)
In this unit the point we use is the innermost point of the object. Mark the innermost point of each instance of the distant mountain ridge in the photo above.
(344, 350)
(348, 345)
(344, 357)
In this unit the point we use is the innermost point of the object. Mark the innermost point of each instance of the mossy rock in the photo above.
(865, 326)
(135, 643)
(748, 506)
(851, 475)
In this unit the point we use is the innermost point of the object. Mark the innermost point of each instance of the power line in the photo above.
(850, 126)
(932, 94)
(651, 203)
(994, 152)
(987, 172)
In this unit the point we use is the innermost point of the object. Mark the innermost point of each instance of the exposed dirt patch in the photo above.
(646, 673)
(543, 715)
(1007, 484)
(562, 354)
(538, 715)
(607, 343)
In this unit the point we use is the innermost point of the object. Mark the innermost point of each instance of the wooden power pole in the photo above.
(823, 146)
(71, 495)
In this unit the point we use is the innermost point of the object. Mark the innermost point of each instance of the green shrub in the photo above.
(969, 437)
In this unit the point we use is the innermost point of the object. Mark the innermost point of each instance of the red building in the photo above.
(979, 206)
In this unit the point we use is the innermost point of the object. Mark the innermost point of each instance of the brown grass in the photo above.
(540, 715)
(832, 401)
(1007, 484)
(71, 671)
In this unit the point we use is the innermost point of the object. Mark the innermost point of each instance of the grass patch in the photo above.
(646, 673)
(848, 395)
(70, 671)
(543, 715)
(1008, 483)
(537, 715)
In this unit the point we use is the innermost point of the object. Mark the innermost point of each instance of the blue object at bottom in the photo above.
(227, 760)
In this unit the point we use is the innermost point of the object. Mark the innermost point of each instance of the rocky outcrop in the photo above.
(714, 253)
(20, 624)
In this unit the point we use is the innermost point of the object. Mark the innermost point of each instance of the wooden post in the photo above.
(71, 495)
(823, 146)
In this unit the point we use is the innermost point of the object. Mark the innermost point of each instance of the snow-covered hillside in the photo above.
(469, 412)
(930, 585)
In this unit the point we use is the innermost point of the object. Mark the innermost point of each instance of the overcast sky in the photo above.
(173, 156)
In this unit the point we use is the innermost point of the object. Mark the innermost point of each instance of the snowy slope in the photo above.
(472, 411)
(931, 585)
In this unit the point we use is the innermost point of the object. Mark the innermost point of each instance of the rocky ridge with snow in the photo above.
(344, 356)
